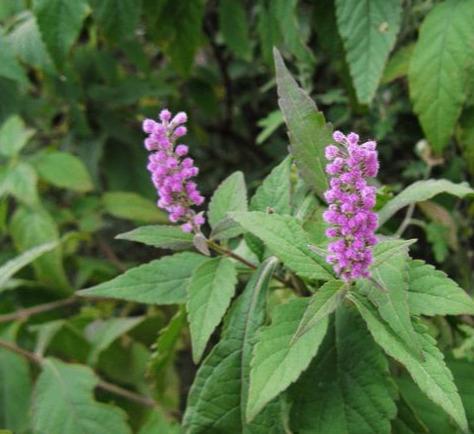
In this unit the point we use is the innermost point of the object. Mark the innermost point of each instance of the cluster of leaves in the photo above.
(283, 345)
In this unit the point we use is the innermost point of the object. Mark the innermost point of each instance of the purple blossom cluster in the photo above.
(171, 170)
(351, 201)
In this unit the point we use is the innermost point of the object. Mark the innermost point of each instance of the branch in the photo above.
(24, 314)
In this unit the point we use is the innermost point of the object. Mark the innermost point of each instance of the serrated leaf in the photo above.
(117, 18)
(233, 25)
(231, 195)
(210, 291)
(386, 248)
(321, 304)
(14, 265)
(64, 170)
(162, 281)
(274, 192)
(431, 373)
(388, 292)
(64, 402)
(226, 369)
(33, 228)
(101, 334)
(432, 292)
(420, 191)
(276, 363)
(60, 22)
(15, 388)
(132, 206)
(308, 131)
(13, 136)
(346, 389)
(437, 75)
(165, 237)
(368, 29)
(285, 237)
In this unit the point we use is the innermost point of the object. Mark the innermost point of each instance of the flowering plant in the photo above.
(313, 238)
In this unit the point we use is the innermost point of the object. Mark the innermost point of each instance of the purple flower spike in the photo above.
(351, 201)
(170, 173)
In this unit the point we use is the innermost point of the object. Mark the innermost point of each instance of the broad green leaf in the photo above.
(432, 292)
(15, 388)
(308, 131)
(438, 68)
(231, 195)
(210, 291)
(102, 333)
(33, 228)
(430, 374)
(233, 25)
(276, 363)
(21, 182)
(324, 302)
(64, 403)
(11, 267)
(274, 192)
(386, 248)
(420, 191)
(285, 237)
(132, 206)
(13, 136)
(166, 237)
(117, 18)
(9, 66)
(346, 388)
(368, 29)
(60, 22)
(226, 369)
(162, 281)
(27, 43)
(64, 170)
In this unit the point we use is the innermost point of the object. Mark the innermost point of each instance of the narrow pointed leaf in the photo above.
(163, 236)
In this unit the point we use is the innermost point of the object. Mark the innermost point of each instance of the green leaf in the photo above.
(14, 265)
(386, 248)
(132, 206)
(210, 291)
(64, 403)
(397, 66)
(431, 374)
(407, 421)
(33, 228)
(165, 237)
(388, 291)
(285, 237)
(227, 367)
(420, 191)
(270, 124)
(437, 236)
(432, 292)
(27, 43)
(13, 136)
(15, 388)
(276, 363)
(234, 28)
(21, 182)
(274, 192)
(158, 423)
(463, 372)
(309, 133)
(162, 281)
(9, 66)
(324, 302)
(231, 195)
(64, 170)
(368, 29)
(347, 388)
(101, 334)
(117, 18)
(438, 69)
(60, 22)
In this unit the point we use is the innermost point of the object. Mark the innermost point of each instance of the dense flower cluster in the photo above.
(171, 171)
(351, 201)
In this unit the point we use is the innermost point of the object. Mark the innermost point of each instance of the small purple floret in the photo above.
(351, 201)
(170, 174)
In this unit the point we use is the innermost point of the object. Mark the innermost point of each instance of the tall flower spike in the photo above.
(351, 201)
(171, 173)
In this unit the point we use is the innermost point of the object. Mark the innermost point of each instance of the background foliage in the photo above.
(76, 79)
